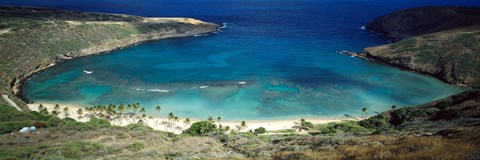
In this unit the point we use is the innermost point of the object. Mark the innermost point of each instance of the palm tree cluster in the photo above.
(115, 112)
(42, 109)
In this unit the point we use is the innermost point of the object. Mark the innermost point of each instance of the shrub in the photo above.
(7, 155)
(201, 127)
(351, 127)
(99, 123)
(377, 122)
(81, 149)
(39, 116)
(54, 121)
(8, 113)
(13, 126)
(307, 124)
(139, 127)
(30, 152)
(74, 125)
(122, 135)
(260, 130)
(410, 114)
(136, 146)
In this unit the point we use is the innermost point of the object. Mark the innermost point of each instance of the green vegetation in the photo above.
(139, 127)
(260, 130)
(468, 39)
(436, 127)
(70, 150)
(201, 127)
(13, 120)
(407, 43)
(32, 38)
(377, 122)
(346, 127)
(448, 55)
(307, 124)
(136, 146)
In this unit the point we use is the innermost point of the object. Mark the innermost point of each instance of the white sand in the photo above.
(156, 122)
(182, 20)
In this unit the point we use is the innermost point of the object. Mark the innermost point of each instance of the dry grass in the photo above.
(462, 145)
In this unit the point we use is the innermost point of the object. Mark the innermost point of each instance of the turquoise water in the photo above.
(272, 61)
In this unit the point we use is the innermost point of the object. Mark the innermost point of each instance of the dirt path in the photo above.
(9, 101)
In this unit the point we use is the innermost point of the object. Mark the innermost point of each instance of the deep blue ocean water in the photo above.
(274, 60)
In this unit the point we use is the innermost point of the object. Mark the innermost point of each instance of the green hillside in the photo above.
(32, 39)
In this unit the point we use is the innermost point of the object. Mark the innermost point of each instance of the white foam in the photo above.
(202, 87)
(224, 25)
(158, 90)
(242, 82)
(88, 72)
(362, 28)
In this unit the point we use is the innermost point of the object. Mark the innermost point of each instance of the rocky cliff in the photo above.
(440, 41)
(32, 39)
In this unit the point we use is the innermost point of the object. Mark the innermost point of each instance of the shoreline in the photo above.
(16, 85)
(160, 123)
(368, 57)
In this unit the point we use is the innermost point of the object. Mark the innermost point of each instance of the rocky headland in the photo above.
(443, 42)
(33, 39)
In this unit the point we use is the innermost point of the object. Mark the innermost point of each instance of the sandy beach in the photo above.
(159, 123)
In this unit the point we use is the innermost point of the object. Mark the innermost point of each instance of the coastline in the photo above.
(368, 57)
(16, 85)
(159, 123)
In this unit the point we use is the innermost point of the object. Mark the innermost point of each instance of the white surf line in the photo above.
(9, 101)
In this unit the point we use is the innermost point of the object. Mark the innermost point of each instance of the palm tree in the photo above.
(219, 119)
(135, 108)
(121, 108)
(175, 119)
(364, 113)
(142, 110)
(394, 107)
(55, 113)
(243, 125)
(129, 107)
(158, 109)
(80, 113)
(56, 108)
(210, 119)
(65, 111)
(40, 107)
(170, 118)
(44, 111)
(187, 122)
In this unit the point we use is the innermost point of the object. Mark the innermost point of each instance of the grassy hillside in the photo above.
(445, 129)
(32, 39)
(440, 41)
(452, 56)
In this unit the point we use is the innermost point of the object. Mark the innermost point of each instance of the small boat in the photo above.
(87, 72)
(352, 55)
